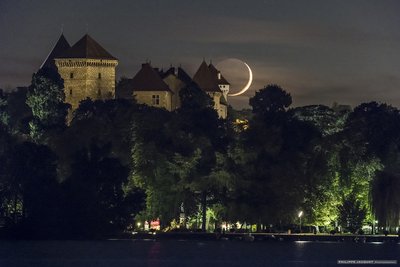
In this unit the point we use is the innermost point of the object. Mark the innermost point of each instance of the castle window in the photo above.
(99, 75)
(155, 100)
(71, 75)
(70, 91)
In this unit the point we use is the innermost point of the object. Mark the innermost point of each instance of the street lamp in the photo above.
(300, 214)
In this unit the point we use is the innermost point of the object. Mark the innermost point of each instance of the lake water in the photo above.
(137, 253)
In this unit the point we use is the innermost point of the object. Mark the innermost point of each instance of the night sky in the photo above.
(319, 51)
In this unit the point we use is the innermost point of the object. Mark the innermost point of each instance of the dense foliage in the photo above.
(118, 163)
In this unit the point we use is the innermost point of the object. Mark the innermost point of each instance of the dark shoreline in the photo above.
(199, 236)
(269, 237)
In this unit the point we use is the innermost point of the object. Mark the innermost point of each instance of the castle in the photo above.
(88, 71)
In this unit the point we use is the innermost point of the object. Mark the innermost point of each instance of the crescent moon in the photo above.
(247, 86)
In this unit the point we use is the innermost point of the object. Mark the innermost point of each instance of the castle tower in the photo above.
(88, 70)
(206, 78)
(222, 82)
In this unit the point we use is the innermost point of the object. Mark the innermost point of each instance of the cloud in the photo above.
(231, 30)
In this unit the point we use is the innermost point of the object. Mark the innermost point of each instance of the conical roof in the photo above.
(87, 47)
(215, 72)
(183, 76)
(205, 79)
(60, 47)
(148, 79)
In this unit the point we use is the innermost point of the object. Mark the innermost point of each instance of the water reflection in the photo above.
(130, 253)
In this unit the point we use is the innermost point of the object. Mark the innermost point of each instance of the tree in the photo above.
(272, 99)
(374, 129)
(4, 117)
(352, 214)
(46, 98)
(122, 89)
(194, 98)
(31, 188)
(6, 145)
(369, 144)
(276, 159)
(19, 113)
(325, 119)
(175, 156)
(385, 199)
(149, 171)
(95, 199)
(203, 133)
(103, 122)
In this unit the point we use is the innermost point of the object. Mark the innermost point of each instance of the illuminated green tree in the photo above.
(175, 156)
(46, 99)
(151, 155)
(352, 214)
(278, 162)
(370, 142)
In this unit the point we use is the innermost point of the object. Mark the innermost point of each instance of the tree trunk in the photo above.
(15, 208)
(204, 211)
(259, 226)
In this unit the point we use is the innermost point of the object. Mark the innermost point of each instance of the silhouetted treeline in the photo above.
(117, 163)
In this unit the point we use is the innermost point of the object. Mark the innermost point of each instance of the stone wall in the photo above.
(175, 85)
(83, 78)
(221, 109)
(146, 97)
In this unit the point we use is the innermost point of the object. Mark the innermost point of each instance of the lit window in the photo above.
(155, 100)
(71, 75)
(99, 75)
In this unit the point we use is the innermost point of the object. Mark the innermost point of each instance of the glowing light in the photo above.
(300, 214)
(247, 86)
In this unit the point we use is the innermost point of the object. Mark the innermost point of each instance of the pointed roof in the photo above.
(170, 71)
(178, 73)
(215, 72)
(87, 47)
(59, 48)
(148, 79)
(183, 76)
(205, 79)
